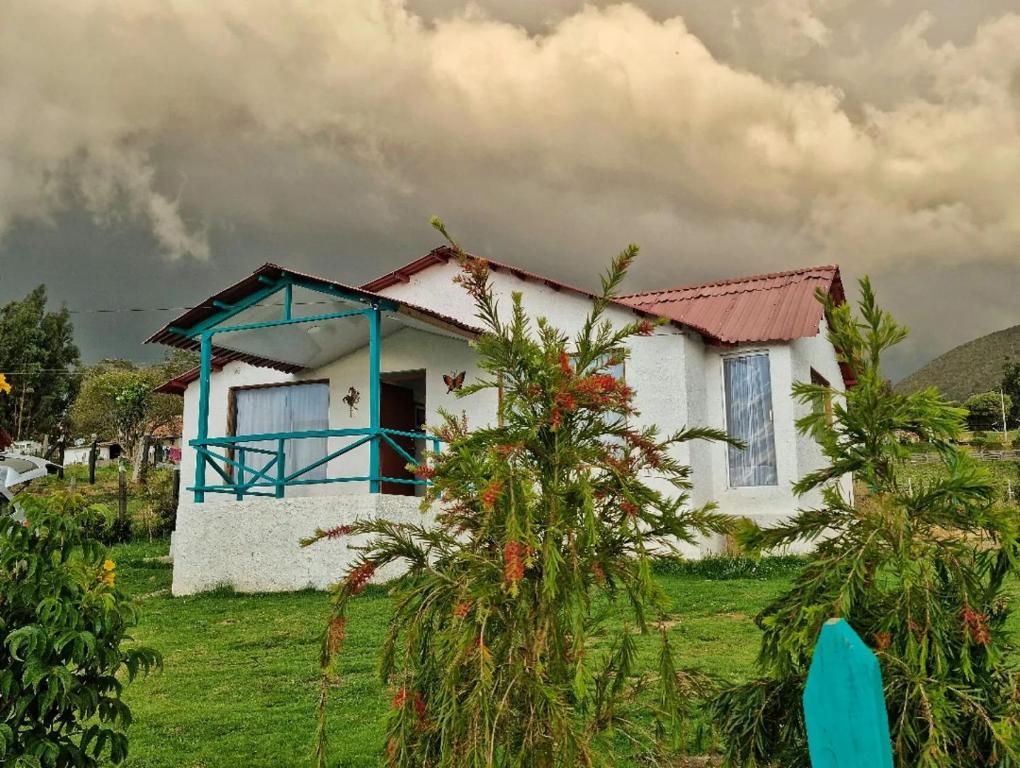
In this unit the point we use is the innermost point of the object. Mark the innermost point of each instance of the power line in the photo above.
(113, 310)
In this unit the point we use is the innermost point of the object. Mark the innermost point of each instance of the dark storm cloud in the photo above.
(151, 153)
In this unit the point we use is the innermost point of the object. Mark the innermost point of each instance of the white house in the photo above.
(79, 454)
(313, 396)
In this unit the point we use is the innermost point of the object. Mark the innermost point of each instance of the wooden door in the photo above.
(396, 411)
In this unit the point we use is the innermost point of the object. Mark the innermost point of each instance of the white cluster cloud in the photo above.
(610, 123)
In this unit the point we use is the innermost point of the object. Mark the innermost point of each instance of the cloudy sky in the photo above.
(153, 152)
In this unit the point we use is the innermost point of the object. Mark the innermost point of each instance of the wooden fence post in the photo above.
(844, 705)
(93, 456)
(121, 495)
(176, 485)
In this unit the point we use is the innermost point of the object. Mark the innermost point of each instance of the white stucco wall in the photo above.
(252, 545)
(815, 352)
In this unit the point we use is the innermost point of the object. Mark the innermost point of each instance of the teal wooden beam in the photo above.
(221, 304)
(290, 321)
(375, 396)
(225, 314)
(205, 372)
(267, 280)
(288, 301)
(340, 293)
(281, 468)
(312, 433)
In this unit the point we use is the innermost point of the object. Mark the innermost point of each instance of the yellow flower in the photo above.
(5, 385)
(109, 576)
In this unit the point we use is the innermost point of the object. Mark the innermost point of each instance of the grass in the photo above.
(239, 683)
(1005, 475)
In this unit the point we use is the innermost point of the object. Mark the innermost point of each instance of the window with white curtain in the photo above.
(288, 408)
(748, 393)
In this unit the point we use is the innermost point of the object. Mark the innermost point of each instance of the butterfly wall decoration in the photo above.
(352, 398)
(454, 381)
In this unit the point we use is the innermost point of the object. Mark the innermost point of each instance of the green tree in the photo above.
(985, 410)
(919, 573)
(118, 400)
(541, 518)
(38, 356)
(63, 625)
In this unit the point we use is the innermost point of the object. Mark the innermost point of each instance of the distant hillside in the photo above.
(969, 368)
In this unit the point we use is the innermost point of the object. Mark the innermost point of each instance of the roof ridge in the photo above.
(733, 281)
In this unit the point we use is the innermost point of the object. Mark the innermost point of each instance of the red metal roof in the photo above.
(180, 382)
(444, 253)
(775, 307)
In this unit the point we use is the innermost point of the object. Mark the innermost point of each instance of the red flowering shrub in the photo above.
(924, 571)
(489, 650)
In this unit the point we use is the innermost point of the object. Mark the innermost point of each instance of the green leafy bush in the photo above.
(158, 516)
(489, 651)
(921, 574)
(725, 567)
(63, 627)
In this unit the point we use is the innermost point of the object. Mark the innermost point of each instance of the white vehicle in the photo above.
(16, 470)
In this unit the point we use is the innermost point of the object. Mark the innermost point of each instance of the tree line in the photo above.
(56, 400)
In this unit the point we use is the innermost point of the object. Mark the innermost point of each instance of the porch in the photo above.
(298, 326)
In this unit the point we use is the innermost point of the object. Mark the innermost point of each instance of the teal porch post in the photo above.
(374, 399)
(205, 372)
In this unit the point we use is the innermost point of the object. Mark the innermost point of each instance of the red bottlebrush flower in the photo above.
(491, 493)
(424, 472)
(645, 328)
(598, 572)
(358, 578)
(337, 532)
(555, 418)
(513, 561)
(565, 367)
(566, 401)
(882, 640)
(629, 508)
(391, 748)
(507, 450)
(400, 699)
(419, 709)
(462, 609)
(977, 626)
(473, 276)
(335, 634)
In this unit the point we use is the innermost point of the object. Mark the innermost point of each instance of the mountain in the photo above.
(972, 367)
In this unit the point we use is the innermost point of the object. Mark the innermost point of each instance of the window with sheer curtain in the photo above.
(748, 393)
(287, 408)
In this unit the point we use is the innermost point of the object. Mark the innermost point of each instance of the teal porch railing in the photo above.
(232, 460)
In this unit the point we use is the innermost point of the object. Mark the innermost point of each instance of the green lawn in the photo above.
(239, 683)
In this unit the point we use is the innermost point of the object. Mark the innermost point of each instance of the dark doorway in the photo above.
(402, 399)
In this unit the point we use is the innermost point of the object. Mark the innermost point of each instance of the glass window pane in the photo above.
(748, 392)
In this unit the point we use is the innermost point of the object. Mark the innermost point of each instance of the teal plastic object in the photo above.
(844, 706)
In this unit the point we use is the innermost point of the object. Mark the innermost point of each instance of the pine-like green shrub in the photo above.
(541, 518)
(920, 573)
(63, 635)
